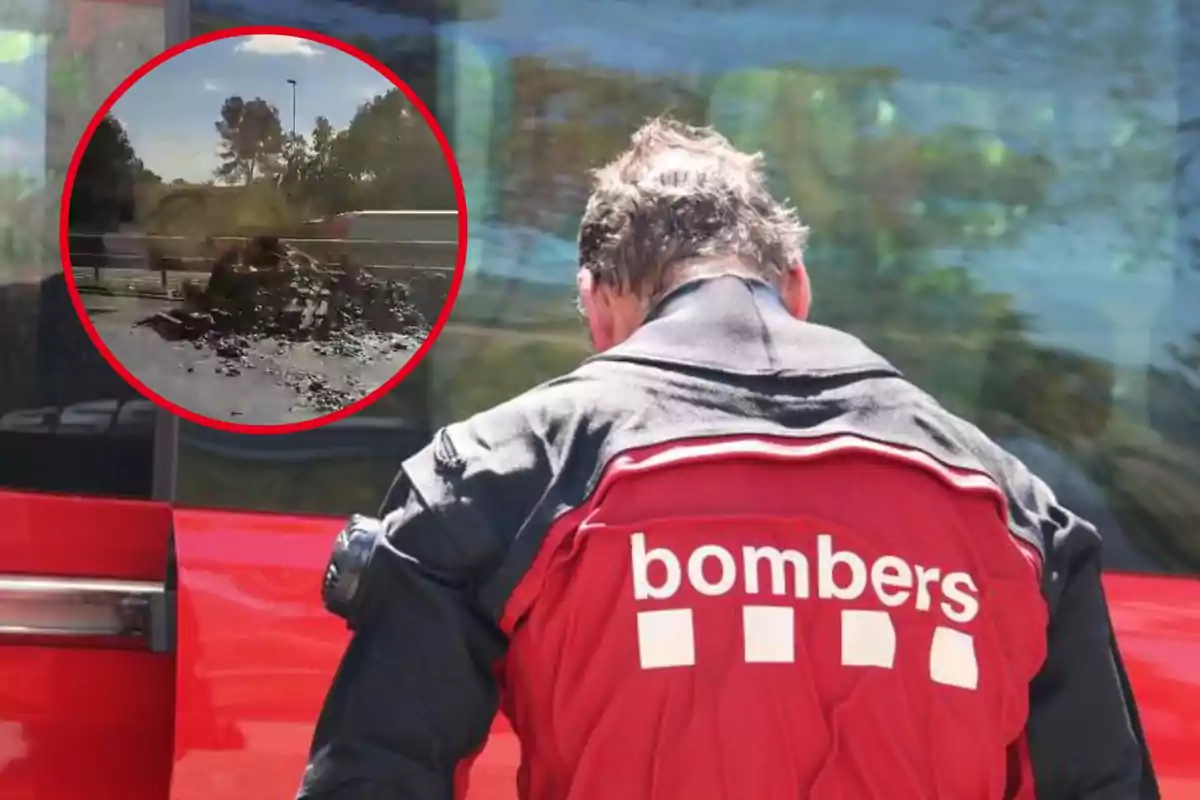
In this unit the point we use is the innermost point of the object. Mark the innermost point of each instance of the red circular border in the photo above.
(290, 427)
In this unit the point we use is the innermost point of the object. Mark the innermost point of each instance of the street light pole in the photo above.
(292, 81)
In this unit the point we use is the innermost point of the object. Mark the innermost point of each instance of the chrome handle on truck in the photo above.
(88, 609)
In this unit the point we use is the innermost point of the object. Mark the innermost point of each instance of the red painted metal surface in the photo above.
(257, 651)
(83, 537)
(1158, 625)
(93, 21)
(84, 724)
(256, 654)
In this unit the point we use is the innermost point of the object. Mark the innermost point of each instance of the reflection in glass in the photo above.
(67, 421)
(23, 65)
(993, 191)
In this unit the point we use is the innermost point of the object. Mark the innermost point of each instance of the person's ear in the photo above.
(597, 307)
(797, 291)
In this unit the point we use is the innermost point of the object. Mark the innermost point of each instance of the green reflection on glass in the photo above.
(472, 95)
(20, 45)
(11, 104)
(68, 79)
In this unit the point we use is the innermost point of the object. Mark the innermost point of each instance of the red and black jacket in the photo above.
(737, 556)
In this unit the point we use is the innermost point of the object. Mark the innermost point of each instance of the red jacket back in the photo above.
(830, 619)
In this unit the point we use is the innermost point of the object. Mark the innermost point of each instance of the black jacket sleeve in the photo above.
(1084, 735)
(415, 693)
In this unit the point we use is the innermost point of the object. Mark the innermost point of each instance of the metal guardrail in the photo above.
(432, 255)
(289, 239)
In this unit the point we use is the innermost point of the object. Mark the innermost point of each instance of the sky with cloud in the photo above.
(170, 114)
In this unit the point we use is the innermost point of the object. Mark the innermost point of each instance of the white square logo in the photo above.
(770, 634)
(666, 638)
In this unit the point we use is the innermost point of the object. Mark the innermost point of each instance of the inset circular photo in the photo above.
(263, 230)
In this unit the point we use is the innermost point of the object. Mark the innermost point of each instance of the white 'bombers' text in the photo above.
(713, 570)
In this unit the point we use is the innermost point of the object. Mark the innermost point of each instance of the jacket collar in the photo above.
(739, 325)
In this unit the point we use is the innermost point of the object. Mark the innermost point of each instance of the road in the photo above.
(143, 280)
(188, 376)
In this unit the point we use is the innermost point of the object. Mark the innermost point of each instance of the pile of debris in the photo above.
(267, 288)
(265, 295)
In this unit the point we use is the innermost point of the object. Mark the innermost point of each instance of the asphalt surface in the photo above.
(145, 280)
(260, 393)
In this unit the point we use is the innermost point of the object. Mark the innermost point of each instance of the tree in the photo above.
(294, 158)
(251, 140)
(414, 56)
(321, 160)
(102, 195)
(148, 176)
(855, 173)
(566, 119)
(390, 158)
(312, 176)
(385, 158)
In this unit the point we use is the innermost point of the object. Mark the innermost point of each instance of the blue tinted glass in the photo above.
(1002, 195)
(68, 422)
